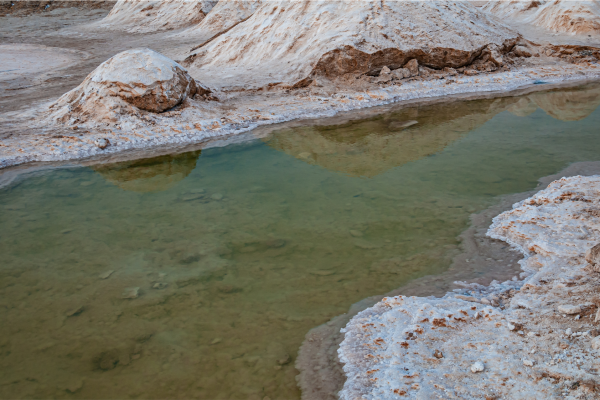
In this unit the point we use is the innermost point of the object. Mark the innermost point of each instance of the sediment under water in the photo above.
(197, 275)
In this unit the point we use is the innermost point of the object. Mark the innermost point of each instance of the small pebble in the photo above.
(160, 285)
(528, 363)
(106, 274)
(74, 312)
(569, 309)
(217, 196)
(356, 233)
(286, 359)
(511, 327)
(568, 332)
(477, 367)
(131, 293)
(216, 341)
(102, 143)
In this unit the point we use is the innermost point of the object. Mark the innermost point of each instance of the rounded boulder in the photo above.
(145, 79)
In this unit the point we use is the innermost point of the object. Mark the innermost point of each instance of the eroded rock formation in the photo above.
(578, 17)
(225, 15)
(142, 16)
(133, 80)
(289, 42)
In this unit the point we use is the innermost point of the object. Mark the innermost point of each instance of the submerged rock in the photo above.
(107, 360)
(131, 293)
(133, 80)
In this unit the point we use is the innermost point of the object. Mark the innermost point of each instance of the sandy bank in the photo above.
(534, 337)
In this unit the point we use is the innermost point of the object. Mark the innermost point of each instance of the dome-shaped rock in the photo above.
(141, 78)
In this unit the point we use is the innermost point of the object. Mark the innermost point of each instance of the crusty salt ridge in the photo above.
(131, 81)
(481, 257)
(142, 16)
(422, 347)
(225, 15)
(576, 17)
(355, 37)
(200, 120)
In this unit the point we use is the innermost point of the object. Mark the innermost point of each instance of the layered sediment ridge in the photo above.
(338, 38)
(534, 337)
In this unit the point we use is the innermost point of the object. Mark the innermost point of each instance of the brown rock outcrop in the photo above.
(133, 80)
(286, 42)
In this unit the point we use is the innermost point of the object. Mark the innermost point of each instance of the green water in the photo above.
(239, 251)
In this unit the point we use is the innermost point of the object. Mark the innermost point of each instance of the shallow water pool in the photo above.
(197, 275)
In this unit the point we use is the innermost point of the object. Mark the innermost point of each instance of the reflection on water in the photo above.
(371, 146)
(569, 105)
(204, 286)
(150, 174)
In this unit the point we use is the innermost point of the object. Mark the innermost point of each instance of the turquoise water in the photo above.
(223, 259)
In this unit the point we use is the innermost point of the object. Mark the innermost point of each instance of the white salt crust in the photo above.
(203, 120)
(424, 348)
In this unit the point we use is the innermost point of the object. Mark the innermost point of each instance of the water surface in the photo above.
(239, 251)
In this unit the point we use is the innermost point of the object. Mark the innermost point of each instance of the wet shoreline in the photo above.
(174, 130)
(321, 372)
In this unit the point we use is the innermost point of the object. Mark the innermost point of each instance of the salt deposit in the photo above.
(576, 17)
(353, 55)
(338, 38)
(516, 329)
(131, 81)
(203, 120)
(139, 16)
(225, 15)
